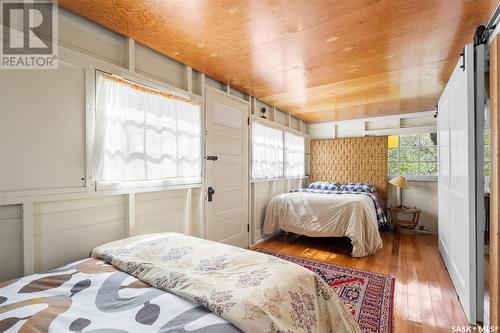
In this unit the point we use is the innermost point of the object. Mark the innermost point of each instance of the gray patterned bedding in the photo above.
(93, 297)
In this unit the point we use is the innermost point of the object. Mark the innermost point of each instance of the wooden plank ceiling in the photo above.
(319, 60)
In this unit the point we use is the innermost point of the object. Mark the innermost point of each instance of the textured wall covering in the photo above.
(351, 160)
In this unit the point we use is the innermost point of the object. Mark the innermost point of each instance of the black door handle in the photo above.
(211, 192)
(211, 158)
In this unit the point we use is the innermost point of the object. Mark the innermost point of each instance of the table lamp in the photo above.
(400, 182)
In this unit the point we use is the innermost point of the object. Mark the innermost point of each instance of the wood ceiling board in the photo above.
(373, 89)
(319, 60)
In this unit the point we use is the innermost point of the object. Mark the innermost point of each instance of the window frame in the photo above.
(158, 184)
(430, 178)
(282, 174)
(283, 129)
(285, 154)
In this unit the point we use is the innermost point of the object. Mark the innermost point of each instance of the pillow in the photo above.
(325, 186)
(358, 187)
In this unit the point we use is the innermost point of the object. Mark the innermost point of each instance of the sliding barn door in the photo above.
(226, 203)
(456, 190)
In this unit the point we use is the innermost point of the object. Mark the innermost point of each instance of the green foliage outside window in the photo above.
(487, 152)
(413, 155)
(416, 154)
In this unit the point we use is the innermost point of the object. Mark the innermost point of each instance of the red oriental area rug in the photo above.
(369, 296)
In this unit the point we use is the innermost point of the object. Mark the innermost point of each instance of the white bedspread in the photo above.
(326, 215)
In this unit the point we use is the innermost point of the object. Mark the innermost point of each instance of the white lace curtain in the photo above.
(267, 152)
(145, 135)
(295, 155)
(276, 153)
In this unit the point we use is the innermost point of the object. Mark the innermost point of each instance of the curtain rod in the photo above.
(146, 89)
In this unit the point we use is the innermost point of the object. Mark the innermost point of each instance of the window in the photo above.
(487, 152)
(267, 152)
(276, 153)
(413, 155)
(295, 155)
(144, 134)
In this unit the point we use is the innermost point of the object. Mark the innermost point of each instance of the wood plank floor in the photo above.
(425, 300)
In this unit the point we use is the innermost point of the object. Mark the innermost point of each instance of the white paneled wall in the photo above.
(153, 64)
(76, 32)
(281, 117)
(160, 211)
(421, 194)
(401, 124)
(262, 192)
(294, 123)
(33, 124)
(11, 251)
(196, 212)
(67, 224)
(65, 231)
(64, 222)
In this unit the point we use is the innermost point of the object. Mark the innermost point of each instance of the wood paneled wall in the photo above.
(494, 280)
(351, 160)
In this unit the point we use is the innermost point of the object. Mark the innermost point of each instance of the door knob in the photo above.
(211, 192)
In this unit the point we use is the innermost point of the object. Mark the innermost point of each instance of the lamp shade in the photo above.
(399, 181)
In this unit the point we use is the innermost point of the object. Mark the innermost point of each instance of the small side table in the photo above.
(405, 226)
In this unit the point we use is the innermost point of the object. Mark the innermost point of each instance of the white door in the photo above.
(226, 168)
(456, 190)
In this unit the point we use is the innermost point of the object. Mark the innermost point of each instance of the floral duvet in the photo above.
(253, 291)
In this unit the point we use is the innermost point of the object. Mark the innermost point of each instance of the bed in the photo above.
(173, 283)
(326, 209)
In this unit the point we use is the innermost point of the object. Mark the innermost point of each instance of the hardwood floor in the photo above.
(425, 300)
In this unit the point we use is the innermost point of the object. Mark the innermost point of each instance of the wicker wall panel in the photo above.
(351, 160)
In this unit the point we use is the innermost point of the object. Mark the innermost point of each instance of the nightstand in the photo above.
(405, 226)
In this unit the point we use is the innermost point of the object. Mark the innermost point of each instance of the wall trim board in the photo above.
(494, 262)
(27, 227)
(351, 160)
(65, 195)
(277, 125)
(78, 58)
(395, 117)
(188, 206)
(385, 125)
(280, 178)
(130, 214)
(227, 94)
